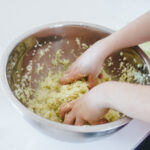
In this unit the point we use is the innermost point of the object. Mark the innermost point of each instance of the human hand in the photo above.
(88, 64)
(90, 108)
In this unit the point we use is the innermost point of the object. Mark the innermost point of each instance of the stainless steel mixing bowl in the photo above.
(19, 53)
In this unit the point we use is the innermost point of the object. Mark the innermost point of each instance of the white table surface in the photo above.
(18, 16)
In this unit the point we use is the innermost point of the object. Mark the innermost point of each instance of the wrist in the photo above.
(104, 48)
(105, 91)
(99, 96)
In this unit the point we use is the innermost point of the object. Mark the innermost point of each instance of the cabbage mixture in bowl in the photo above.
(49, 93)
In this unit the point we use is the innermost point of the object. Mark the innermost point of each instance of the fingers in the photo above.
(65, 108)
(79, 121)
(70, 77)
(92, 79)
(101, 121)
(69, 118)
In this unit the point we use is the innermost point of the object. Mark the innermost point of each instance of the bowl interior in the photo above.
(41, 47)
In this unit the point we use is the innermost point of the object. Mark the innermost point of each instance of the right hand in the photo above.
(88, 64)
(89, 108)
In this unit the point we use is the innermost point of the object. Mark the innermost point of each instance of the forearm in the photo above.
(133, 34)
(131, 99)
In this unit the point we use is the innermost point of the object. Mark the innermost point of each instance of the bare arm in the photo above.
(131, 99)
(133, 34)
(91, 61)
